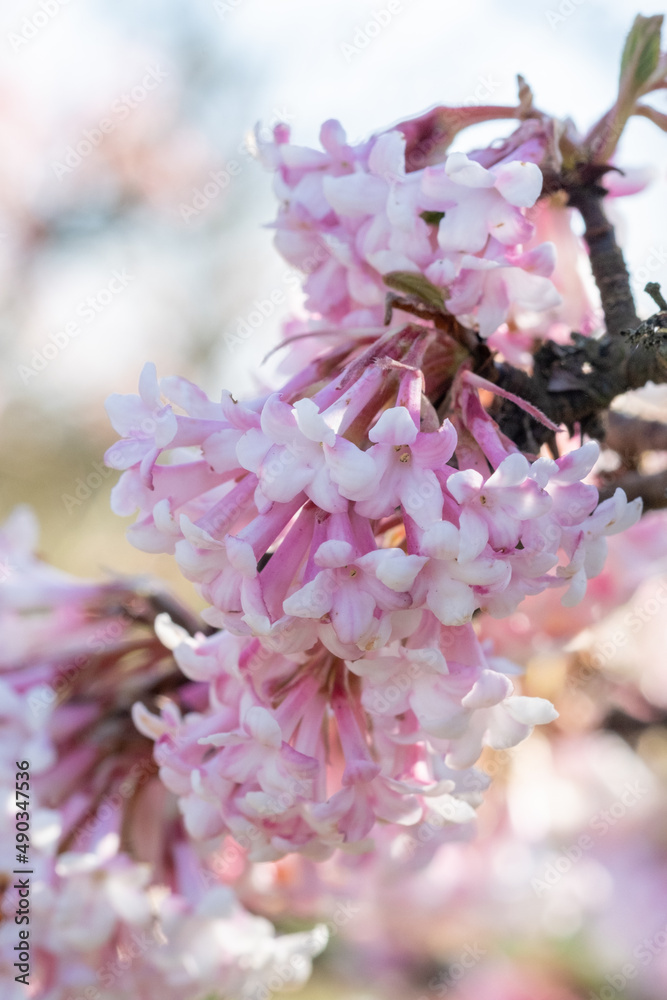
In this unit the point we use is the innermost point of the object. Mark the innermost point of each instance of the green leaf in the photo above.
(641, 53)
(416, 285)
(433, 218)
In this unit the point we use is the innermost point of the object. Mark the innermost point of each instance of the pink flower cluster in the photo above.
(121, 904)
(352, 215)
(345, 538)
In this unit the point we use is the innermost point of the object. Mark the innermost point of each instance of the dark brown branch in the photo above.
(575, 383)
(607, 262)
(630, 436)
(652, 489)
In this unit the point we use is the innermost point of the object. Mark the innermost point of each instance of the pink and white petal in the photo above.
(442, 271)
(262, 726)
(441, 716)
(387, 157)
(469, 262)
(576, 591)
(393, 567)
(435, 448)
(219, 449)
(303, 157)
(494, 307)
(202, 819)
(512, 471)
(125, 454)
(353, 470)
(519, 182)
(333, 136)
(503, 730)
(489, 689)
(452, 602)
(575, 465)
(325, 494)
(239, 416)
(149, 390)
(241, 556)
(481, 572)
(531, 291)
(282, 476)
(251, 449)
(421, 495)
(126, 413)
(462, 170)
(278, 420)
(334, 554)
(507, 225)
(474, 535)
(540, 260)
(464, 228)
(438, 190)
(309, 194)
(393, 807)
(531, 711)
(451, 809)
(386, 261)
(364, 286)
(395, 427)
(465, 485)
(189, 397)
(312, 424)
(351, 612)
(356, 195)
(441, 540)
(147, 537)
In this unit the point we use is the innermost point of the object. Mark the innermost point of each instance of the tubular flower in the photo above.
(347, 528)
(345, 543)
(350, 220)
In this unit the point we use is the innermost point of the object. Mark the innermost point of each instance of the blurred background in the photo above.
(134, 227)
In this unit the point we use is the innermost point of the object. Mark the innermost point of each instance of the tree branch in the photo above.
(651, 489)
(630, 436)
(607, 261)
(575, 383)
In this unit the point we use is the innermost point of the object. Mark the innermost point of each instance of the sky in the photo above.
(369, 64)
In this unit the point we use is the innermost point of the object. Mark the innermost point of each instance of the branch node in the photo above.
(653, 289)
